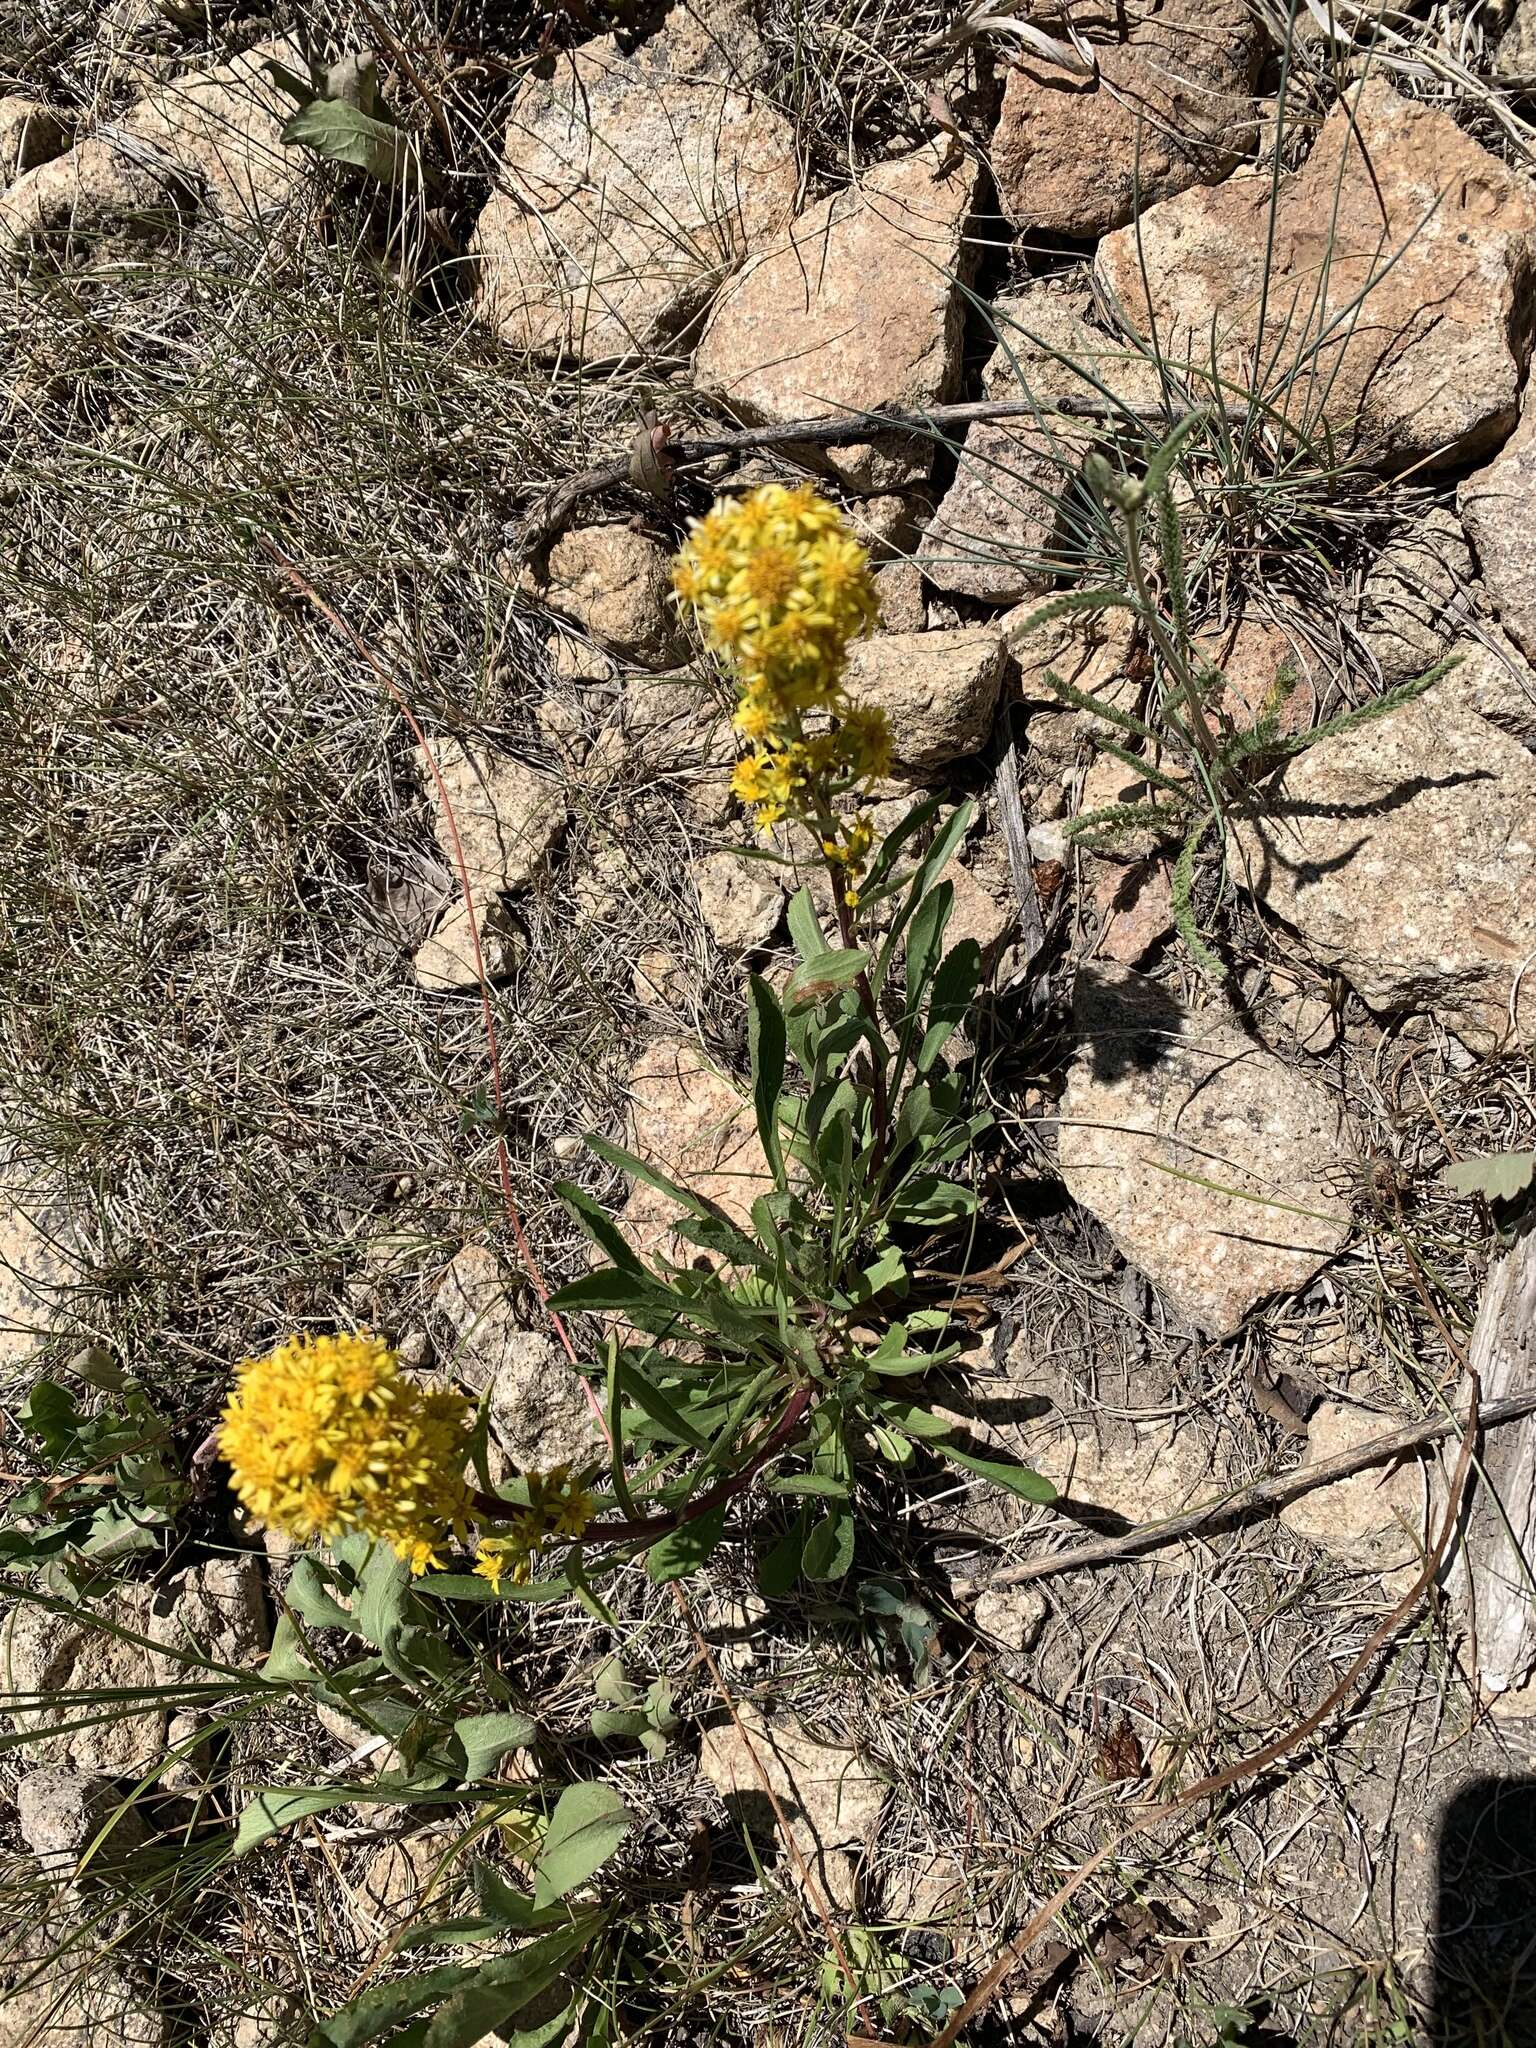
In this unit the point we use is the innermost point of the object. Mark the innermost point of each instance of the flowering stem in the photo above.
(490, 1509)
(882, 1105)
(826, 832)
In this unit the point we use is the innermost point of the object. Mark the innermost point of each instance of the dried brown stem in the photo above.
(1272, 1493)
(840, 430)
(1248, 1766)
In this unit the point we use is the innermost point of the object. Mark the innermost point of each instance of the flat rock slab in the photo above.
(215, 1611)
(1376, 1520)
(739, 899)
(1404, 853)
(1496, 509)
(632, 182)
(1406, 330)
(1161, 1472)
(829, 1795)
(996, 534)
(858, 305)
(39, 1264)
(83, 2000)
(1171, 105)
(618, 585)
(693, 1123)
(506, 814)
(1164, 1112)
(938, 691)
(31, 133)
(1416, 594)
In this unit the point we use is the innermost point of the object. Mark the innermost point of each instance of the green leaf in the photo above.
(499, 1990)
(954, 991)
(1498, 1177)
(684, 1549)
(766, 1046)
(610, 1287)
(285, 1663)
(309, 1595)
(778, 1569)
(587, 1825)
(344, 134)
(613, 1684)
(1017, 1479)
(550, 2033)
(385, 2007)
(484, 1739)
(914, 1421)
(887, 1272)
(821, 1484)
(300, 90)
(945, 843)
(824, 973)
(875, 884)
(648, 1175)
(927, 935)
(50, 1414)
(615, 1724)
(829, 1547)
(804, 925)
(380, 1610)
(929, 1202)
(278, 1807)
(599, 1226)
(497, 1900)
(652, 1402)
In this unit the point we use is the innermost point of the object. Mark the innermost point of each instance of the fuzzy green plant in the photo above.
(1216, 771)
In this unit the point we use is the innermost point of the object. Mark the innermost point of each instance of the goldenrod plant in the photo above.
(802, 1342)
(804, 1337)
(325, 1434)
(779, 587)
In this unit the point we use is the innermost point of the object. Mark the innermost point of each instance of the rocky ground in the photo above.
(285, 600)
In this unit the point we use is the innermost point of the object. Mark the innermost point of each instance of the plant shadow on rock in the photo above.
(1272, 821)
(1127, 1026)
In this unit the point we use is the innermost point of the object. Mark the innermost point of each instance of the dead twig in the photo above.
(1269, 1493)
(1272, 1752)
(839, 430)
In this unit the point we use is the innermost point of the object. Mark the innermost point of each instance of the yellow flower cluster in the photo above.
(557, 1506)
(780, 587)
(324, 1434)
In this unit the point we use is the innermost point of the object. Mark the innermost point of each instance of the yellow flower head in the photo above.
(324, 1434)
(557, 1506)
(779, 586)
